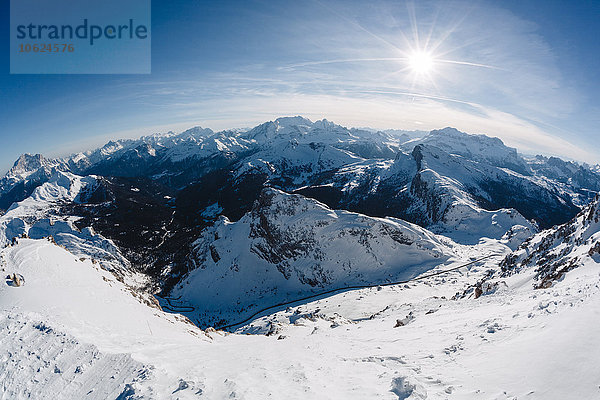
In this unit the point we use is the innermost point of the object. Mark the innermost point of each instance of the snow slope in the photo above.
(73, 330)
(555, 252)
(42, 363)
(288, 246)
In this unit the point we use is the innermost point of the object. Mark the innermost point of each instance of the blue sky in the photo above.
(525, 71)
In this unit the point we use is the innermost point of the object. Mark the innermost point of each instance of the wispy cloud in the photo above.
(347, 61)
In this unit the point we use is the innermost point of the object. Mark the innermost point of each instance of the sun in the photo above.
(421, 62)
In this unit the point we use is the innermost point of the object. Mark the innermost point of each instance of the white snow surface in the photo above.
(73, 331)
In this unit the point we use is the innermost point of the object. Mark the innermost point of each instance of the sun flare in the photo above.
(421, 62)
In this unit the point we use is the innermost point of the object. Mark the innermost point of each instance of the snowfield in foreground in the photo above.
(73, 331)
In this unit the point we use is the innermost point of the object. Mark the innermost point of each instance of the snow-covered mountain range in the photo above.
(155, 238)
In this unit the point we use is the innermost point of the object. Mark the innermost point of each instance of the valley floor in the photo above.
(73, 331)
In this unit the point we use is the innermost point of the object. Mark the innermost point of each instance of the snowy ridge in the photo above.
(349, 346)
(149, 145)
(554, 252)
(288, 246)
(38, 217)
(301, 162)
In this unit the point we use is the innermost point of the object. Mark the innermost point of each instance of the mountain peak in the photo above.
(324, 123)
(476, 147)
(449, 131)
(27, 163)
(456, 134)
(196, 131)
(291, 121)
